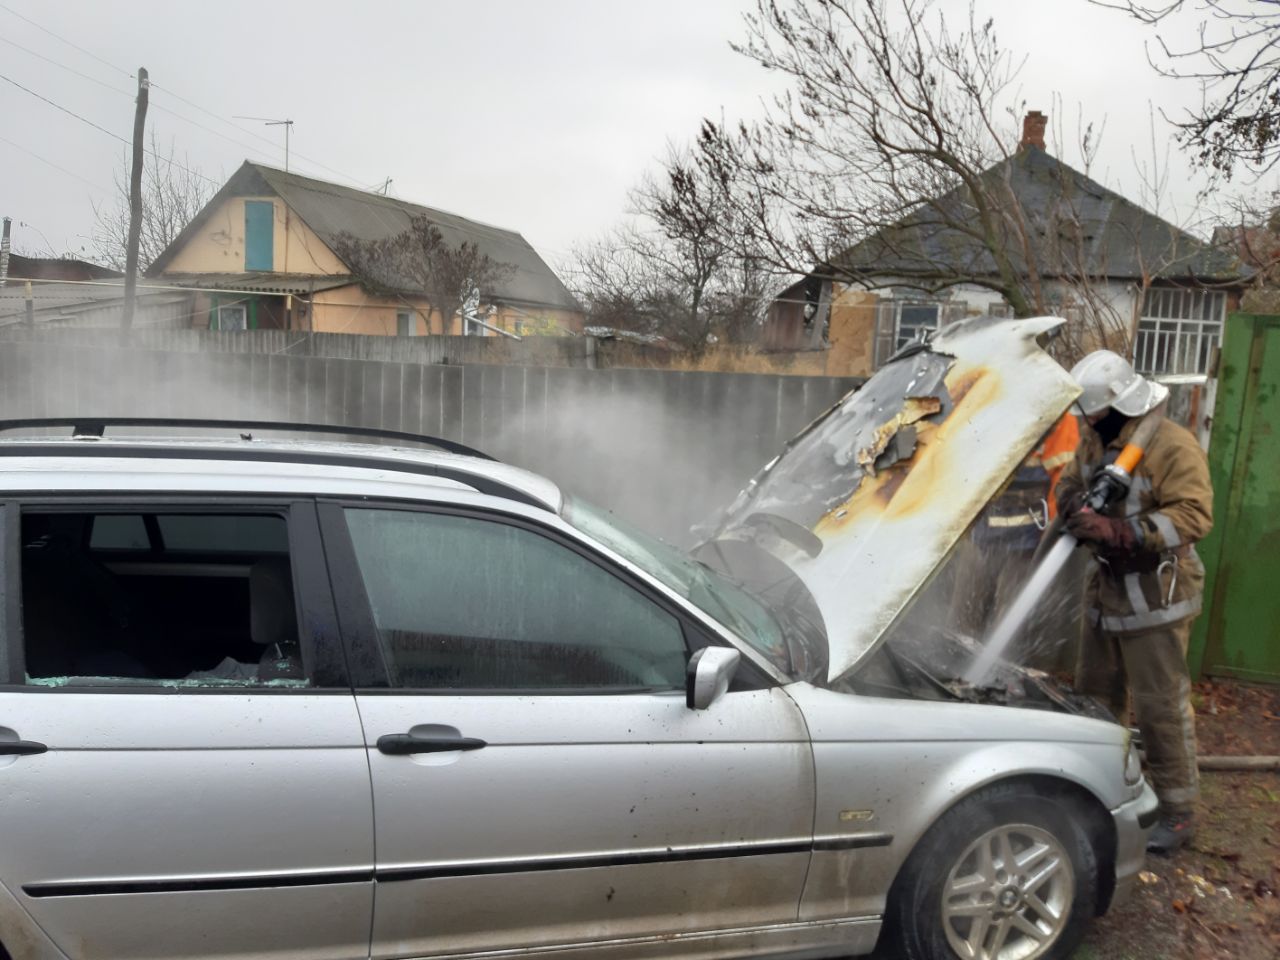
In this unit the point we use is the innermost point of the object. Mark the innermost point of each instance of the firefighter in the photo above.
(996, 556)
(1147, 588)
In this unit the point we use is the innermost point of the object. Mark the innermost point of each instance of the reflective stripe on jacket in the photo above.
(1021, 511)
(1170, 507)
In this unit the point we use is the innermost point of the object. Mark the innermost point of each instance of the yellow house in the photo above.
(260, 255)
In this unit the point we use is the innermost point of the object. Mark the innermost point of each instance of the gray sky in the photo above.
(535, 115)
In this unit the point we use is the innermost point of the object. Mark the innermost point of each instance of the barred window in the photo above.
(1179, 331)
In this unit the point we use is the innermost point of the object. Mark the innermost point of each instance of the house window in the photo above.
(259, 234)
(233, 316)
(404, 323)
(998, 308)
(898, 322)
(1179, 330)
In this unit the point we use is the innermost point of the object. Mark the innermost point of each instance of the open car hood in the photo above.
(865, 504)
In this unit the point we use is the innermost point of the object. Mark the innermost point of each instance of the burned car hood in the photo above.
(865, 504)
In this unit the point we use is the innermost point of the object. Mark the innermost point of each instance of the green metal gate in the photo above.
(1239, 633)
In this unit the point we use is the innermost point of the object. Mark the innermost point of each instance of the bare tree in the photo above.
(675, 272)
(172, 194)
(894, 160)
(1251, 227)
(1231, 50)
(421, 263)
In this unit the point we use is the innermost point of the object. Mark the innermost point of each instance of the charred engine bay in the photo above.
(929, 664)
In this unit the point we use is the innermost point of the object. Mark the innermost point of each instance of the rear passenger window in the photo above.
(169, 599)
(461, 602)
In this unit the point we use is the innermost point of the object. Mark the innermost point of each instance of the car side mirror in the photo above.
(710, 671)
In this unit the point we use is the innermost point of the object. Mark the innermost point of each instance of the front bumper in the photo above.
(1134, 821)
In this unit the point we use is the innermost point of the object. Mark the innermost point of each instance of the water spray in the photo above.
(1110, 484)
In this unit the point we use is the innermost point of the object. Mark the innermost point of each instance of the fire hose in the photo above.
(1113, 481)
(1110, 484)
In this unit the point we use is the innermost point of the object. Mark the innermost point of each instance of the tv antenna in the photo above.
(270, 122)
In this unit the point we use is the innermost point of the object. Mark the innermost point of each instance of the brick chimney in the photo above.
(1033, 127)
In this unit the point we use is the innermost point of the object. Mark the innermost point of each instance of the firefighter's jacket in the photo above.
(1015, 518)
(1170, 508)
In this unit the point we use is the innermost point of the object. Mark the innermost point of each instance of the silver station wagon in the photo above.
(274, 698)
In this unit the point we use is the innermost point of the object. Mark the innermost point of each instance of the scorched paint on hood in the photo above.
(867, 502)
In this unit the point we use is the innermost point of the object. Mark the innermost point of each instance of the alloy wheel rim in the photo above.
(1009, 895)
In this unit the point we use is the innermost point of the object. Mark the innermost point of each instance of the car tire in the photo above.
(954, 897)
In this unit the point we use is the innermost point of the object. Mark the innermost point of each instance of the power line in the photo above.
(70, 173)
(185, 119)
(63, 39)
(155, 86)
(63, 66)
(102, 129)
(70, 113)
(354, 181)
(252, 151)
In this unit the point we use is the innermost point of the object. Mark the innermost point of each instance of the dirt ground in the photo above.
(1217, 898)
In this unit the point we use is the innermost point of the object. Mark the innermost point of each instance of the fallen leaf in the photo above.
(1179, 906)
(1147, 877)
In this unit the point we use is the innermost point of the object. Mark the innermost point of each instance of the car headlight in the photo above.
(1132, 763)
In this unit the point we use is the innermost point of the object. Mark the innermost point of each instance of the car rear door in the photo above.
(538, 778)
(160, 818)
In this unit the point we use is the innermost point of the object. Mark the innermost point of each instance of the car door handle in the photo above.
(399, 744)
(21, 748)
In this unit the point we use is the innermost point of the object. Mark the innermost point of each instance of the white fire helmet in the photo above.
(1109, 380)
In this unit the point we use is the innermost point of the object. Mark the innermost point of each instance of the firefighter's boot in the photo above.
(1172, 833)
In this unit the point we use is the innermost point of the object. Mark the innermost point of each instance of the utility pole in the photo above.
(4, 252)
(135, 203)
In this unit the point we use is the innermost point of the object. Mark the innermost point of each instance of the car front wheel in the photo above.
(1006, 874)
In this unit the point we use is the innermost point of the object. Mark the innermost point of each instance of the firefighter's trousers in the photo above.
(1152, 667)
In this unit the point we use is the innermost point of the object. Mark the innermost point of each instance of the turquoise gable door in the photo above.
(259, 226)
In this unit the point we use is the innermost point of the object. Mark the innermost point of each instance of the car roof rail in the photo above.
(97, 426)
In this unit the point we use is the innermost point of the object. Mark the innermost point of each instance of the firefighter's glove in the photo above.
(1069, 501)
(1110, 535)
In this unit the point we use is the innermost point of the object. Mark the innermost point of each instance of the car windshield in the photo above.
(709, 590)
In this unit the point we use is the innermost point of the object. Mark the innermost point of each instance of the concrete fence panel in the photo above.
(664, 449)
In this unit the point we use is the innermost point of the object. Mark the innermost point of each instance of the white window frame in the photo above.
(1179, 331)
(228, 309)
(890, 333)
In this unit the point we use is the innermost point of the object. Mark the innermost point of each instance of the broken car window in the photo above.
(106, 603)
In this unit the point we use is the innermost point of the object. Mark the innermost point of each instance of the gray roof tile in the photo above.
(1120, 239)
(330, 209)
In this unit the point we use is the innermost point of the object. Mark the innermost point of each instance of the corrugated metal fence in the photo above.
(1237, 634)
(663, 448)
